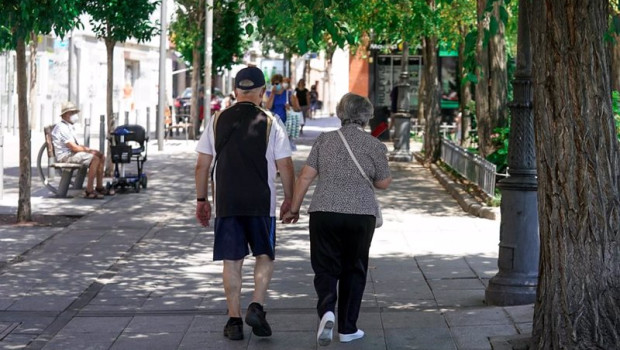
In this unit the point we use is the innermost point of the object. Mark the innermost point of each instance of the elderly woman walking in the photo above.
(342, 214)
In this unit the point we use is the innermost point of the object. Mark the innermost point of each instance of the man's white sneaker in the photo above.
(326, 328)
(345, 338)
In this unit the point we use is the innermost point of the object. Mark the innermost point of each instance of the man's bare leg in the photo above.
(100, 172)
(263, 270)
(92, 172)
(232, 286)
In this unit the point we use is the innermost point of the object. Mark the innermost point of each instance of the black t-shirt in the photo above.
(302, 96)
(314, 96)
(241, 140)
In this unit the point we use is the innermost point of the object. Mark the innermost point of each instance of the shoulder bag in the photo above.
(378, 215)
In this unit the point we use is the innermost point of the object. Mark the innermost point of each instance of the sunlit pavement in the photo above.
(135, 271)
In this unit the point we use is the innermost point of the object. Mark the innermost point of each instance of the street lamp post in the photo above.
(162, 78)
(208, 58)
(516, 281)
(402, 117)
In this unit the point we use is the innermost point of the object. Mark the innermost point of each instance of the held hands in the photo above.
(203, 213)
(285, 207)
(286, 215)
(290, 218)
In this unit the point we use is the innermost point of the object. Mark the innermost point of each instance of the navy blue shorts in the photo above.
(233, 235)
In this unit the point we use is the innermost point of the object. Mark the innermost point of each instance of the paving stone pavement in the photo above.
(135, 271)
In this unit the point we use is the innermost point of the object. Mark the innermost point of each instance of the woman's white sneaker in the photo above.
(326, 328)
(345, 338)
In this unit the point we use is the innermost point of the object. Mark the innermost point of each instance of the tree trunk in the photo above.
(194, 109)
(307, 73)
(111, 121)
(615, 63)
(24, 210)
(465, 91)
(578, 300)
(33, 96)
(483, 118)
(422, 94)
(498, 79)
(614, 50)
(432, 95)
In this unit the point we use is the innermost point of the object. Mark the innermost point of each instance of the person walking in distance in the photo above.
(343, 214)
(247, 146)
(314, 99)
(303, 97)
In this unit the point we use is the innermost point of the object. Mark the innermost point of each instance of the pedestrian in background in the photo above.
(293, 113)
(277, 98)
(247, 145)
(342, 215)
(303, 97)
(314, 99)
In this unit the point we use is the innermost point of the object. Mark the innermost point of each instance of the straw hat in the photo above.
(68, 107)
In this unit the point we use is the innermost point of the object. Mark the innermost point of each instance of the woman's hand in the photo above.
(290, 217)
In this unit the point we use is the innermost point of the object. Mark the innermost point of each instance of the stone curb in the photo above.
(512, 342)
(465, 200)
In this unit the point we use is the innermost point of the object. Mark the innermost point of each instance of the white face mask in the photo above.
(285, 85)
(74, 119)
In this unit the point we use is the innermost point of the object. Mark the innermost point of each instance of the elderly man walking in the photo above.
(247, 145)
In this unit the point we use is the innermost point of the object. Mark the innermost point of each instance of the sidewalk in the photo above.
(135, 270)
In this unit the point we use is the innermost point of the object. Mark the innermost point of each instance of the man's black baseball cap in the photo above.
(249, 78)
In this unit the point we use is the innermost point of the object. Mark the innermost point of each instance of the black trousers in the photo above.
(339, 245)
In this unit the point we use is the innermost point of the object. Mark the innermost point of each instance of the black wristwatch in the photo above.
(202, 199)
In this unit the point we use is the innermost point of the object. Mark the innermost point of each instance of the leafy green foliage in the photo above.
(500, 142)
(120, 20)
(188, 30)
(615, 106)
(19, 18)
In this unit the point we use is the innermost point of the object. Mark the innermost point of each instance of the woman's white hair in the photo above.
(353, 108)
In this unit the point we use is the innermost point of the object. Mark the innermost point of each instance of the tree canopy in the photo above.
(20, 18)
(229, 41)
(119, 20)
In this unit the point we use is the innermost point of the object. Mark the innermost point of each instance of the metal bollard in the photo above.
(148, 121)
(87, 132)
(102, 134)
(156, 123)
(1, 164)
(42, 118)
(14, 121)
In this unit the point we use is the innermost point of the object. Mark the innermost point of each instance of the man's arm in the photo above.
(287, 175)
(305, 178)
(203, 207)
(77, 148)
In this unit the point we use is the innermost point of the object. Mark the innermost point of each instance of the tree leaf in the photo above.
(616, 24)
(493, 26)
(503, 14)
(303, 45)
(249, 29)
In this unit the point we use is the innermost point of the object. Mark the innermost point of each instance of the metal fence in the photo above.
(473, 167)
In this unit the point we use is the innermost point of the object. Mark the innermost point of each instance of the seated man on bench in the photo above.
(68, 150)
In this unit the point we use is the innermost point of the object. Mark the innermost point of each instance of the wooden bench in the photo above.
(49, 171)
(185, 125)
